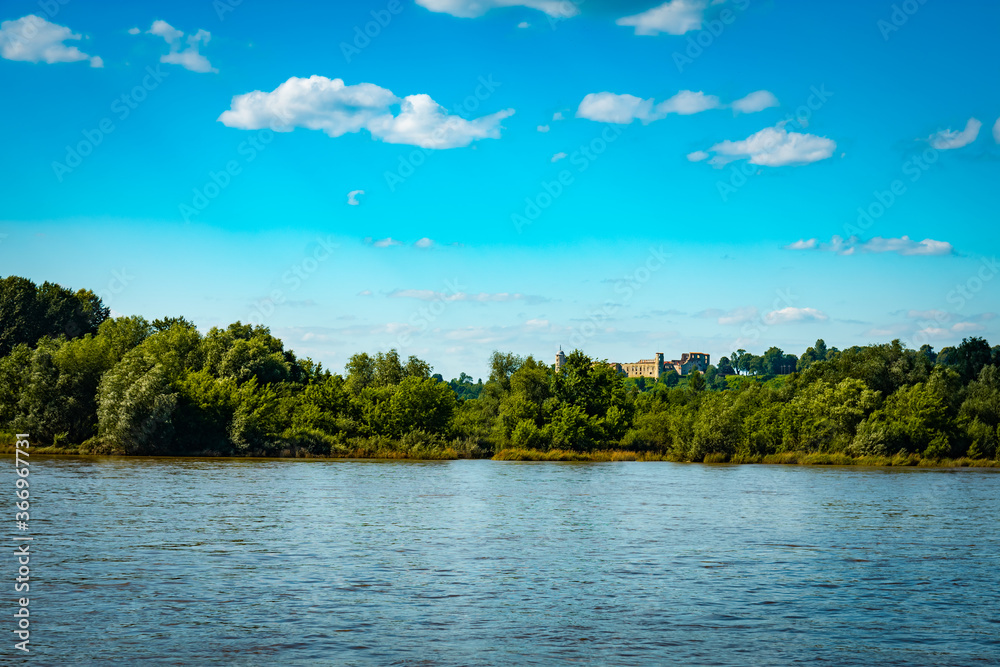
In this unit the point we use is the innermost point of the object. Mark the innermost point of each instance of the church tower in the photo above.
(560, 359)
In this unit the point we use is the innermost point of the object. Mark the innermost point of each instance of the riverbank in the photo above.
(601, 456)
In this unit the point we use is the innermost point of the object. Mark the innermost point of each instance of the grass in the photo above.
(437, 453)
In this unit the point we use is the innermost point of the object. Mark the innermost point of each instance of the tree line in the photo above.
(75, 377)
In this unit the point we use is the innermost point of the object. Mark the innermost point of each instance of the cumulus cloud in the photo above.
(774, 147)
(613, 108)
(558, 156)
(365, 292)
(674, 17)
(802, 244)
(33, 39)
(559, 116)
(754, 102)
(948, 139)
(134, 31)
(697, 156)
(423, 122)
(481, 297)
(608, 107)
(319, 103)
(966, 327)
(791, 314)
(386, 242)
(523, 24)
(183, 52)
(687, 102)
(902, 246)
(352, 197)
(470, 9)
(543, 128)
(957, 329)
(424, 243)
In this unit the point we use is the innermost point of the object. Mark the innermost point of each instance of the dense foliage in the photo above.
(70, 375)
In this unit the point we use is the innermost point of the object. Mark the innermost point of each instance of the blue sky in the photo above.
(627, 177)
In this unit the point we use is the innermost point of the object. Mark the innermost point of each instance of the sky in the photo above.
(451, 177)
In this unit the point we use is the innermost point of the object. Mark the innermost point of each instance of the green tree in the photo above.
(135, 406)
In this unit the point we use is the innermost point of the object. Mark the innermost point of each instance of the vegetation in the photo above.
(81, 381)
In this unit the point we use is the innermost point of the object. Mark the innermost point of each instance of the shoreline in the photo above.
(566, 456)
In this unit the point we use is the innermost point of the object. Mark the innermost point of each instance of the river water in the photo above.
(200, 561)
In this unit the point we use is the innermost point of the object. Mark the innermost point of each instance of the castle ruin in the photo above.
(654, 368)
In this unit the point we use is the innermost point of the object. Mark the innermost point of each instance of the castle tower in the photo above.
(560, 359)
(658, 370)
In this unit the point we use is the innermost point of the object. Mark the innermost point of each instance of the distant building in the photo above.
(654, 368)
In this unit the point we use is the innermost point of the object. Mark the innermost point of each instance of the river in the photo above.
(201, 561)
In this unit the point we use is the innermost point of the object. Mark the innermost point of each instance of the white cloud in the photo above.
(674, 17)
(613, 108)
(996, 131)
(523, 24)
(470, 9)
(934, 333)
(543, 128)
(802, 244)
(319, 103)
(687, 102)
(774, 147)
(423, 122)
(608, 107)
(906, 246)
(559, 116)
(386, 242)
(948, 139)
(187, 57)
(558, 156)
(134, 31)
(424, 243)
(366, 292)
(754, 102)
(33, 39)
(966, 327)
(352, 197)
(791, 314)
(902, 246)
(697, 156)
